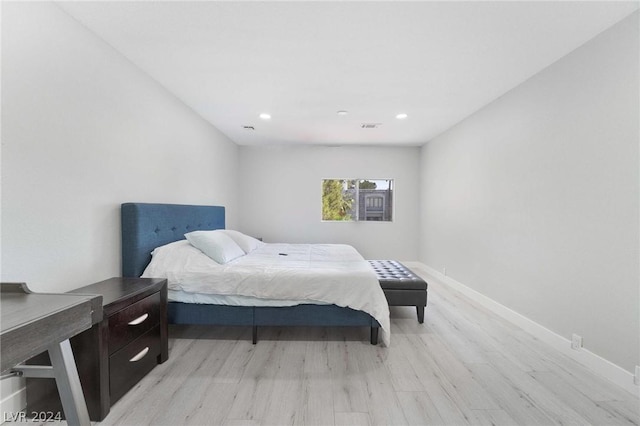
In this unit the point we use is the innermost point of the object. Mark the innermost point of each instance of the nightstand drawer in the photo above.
(133, 321)
(133, 362)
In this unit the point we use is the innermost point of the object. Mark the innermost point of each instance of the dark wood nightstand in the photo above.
(118, 350)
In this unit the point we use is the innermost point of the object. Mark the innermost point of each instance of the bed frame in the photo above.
(147, 226)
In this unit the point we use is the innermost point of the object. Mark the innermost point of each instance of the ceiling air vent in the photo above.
(248, 127)
(370, 125)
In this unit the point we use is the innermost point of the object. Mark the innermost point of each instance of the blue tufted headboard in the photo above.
(147, 226)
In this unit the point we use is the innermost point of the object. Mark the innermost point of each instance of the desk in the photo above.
(34, 322)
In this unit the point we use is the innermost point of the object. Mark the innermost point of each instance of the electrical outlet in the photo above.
(576, 341)
(636, 377)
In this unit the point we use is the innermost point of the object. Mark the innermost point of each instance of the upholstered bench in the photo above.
(401, 286)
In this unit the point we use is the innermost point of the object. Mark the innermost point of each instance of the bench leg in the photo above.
(420, 310)
(255, 334)
(374, 335)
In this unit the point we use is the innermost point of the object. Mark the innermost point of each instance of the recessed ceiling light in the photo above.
(342, 112)
(265, 116)
(401, 116)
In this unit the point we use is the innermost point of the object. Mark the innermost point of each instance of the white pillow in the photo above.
(216, 245)
(246, 243)
(174, 257)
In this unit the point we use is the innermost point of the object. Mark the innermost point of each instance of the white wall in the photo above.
(281, 189)
(533, 200)
(84, 130)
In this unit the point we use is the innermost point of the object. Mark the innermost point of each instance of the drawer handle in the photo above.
(139, 320)
(140, 355)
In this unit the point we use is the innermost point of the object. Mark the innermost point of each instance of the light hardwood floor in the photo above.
(464, 365)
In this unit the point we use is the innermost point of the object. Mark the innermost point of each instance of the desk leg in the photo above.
(68, 382)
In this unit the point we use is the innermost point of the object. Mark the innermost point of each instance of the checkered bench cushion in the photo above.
(394, 275)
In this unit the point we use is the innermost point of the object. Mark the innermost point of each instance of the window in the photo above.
(357, 200)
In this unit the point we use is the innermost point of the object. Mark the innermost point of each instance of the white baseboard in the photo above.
(12, 404)
(593, 362)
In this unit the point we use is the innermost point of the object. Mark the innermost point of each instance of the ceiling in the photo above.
(301, 62)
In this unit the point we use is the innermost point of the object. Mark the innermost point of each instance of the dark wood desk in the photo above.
(32, 323)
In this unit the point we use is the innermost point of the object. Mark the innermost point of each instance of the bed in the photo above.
(146, 227)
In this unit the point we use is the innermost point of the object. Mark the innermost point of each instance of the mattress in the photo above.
(230, 300)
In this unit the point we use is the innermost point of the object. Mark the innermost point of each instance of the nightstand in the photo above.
(117, 351)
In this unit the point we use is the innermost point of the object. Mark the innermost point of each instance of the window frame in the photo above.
(357, 206)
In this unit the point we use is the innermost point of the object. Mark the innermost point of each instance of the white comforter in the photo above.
(325, 273)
